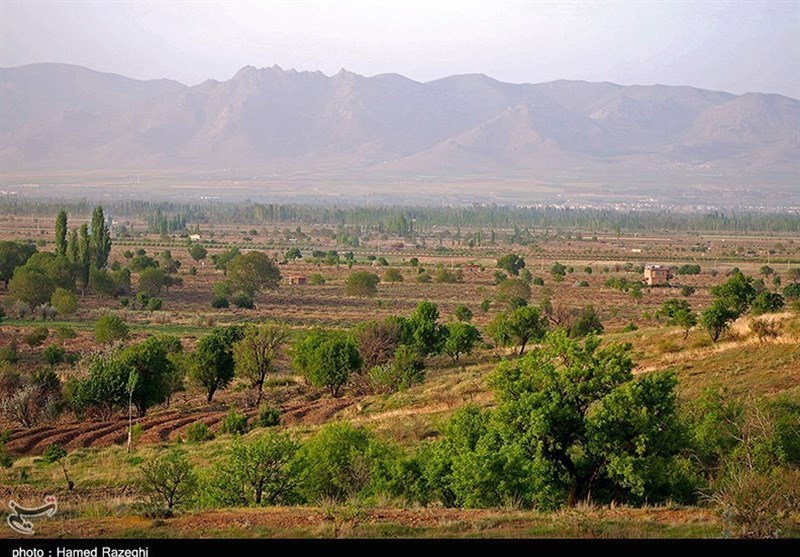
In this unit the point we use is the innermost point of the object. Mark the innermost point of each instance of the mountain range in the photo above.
(70, 118)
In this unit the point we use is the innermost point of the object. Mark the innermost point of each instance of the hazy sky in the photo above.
(733, 46)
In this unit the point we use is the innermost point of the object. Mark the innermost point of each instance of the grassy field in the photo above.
(104, 503)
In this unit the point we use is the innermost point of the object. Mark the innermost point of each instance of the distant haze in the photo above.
(730, 46)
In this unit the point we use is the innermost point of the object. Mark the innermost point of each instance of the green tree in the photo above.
(717, 318)
(293, 253)
(198, 252)
(361, 283)
(61, 233)
(463, 313)
(65, 302)
(32, 286)
(256, 354)
(512, 263)
(338, 462)
(685, 319)
(84, 259)
(253, 272)
(327, 358)
(105, 389)
(150, 361)
(513, 292)
(151, 281)
(767, 302)
(585, 426)
(55, 454)
(110, 328)
(256, 473)
(100, 244)
(392, 275)
(212, 364)
(461, 339)
(170, 478)
(221, 260)
(425, 332)
(518, 327)
(737, 292)
(587, 322)
(13, 255)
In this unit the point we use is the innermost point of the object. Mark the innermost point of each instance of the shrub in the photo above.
(65, 302)
(764, 329)
(338, 463)
(792, 291)
(219, 303)
(392, 275)
(36, 337)
(687, 290)
(64, 333)
(234, 423)
(630, 327)
(511, 263)
(154, 304)
(538, 281)
(55, 454)
(269, 416)
(587, 322)
(198, 432)
(463, 313)
(316, 279)
(688, 270)
(423, 277)
(244, 301)
(54, 354)
(513, 292)
(758, 505)
(170, 479)
(110, 328)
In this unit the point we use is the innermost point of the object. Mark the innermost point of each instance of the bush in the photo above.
(219, 303)
(792, 291)
(154, 304)
(198, 432)
(423, 277)
(54, 354)
(338, 462)
(392, 275)
(65, 302)
(269, 416)
(463, 313)
(36, 337)
(687, 290)
(688, 270)
(316, 279)
(234, 423)
(758, 505)
(170, 479)
(65, 333)
(110, 328)
(764, 329)
(767, 302)
(243, 301)
(630, 327)
(538, 281)
(588, 321)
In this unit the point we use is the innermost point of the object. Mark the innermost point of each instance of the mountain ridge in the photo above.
(57, 116)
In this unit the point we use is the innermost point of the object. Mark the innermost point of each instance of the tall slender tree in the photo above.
(101, 239)
(61, 233)
(84, 259)
(73, 246)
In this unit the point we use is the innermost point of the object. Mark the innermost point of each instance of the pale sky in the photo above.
(733, 46)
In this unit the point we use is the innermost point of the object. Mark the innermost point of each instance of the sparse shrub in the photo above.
(54, 354)
(55, 454)
(444, 275)
(198, 432)
(36, 337)
(234, 423)
(764, 329)
(758, 505)
(65, 333)
(687, 290)
(269, 416)
(392, 275)
(316, 279)
(485, 305)
(583, 284)
(630, 327)
(538, 281)
(423, 277)
(154, 304)
(588, 321)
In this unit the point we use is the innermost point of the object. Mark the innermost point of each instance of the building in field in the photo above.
(657, 275)
(298, 279)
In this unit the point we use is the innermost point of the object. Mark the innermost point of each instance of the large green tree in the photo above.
(327, 358)
(212, 364)
(253, 272)
(12, 255)
(154, 368)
